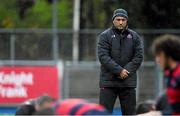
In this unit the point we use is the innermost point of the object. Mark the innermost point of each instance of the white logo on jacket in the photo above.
(129, 36)
(113, 36)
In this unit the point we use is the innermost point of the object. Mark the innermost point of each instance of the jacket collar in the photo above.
(120, 32)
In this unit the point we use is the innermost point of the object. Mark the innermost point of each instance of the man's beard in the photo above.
(120, 27)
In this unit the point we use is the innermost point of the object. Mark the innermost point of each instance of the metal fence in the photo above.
(38, 44)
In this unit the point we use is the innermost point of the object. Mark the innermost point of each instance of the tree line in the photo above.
(93, 13)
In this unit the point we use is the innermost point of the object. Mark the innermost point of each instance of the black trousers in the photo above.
(127, 98)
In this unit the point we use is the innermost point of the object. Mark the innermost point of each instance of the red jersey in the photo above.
(173, 89)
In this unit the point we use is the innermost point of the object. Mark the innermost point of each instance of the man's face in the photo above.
(120, 22)
(162, 60)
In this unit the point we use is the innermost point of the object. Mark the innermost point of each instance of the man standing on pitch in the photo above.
(120, 53)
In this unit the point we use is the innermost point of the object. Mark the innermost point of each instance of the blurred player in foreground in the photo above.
(167, 54)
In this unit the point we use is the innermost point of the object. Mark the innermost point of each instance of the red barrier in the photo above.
(19, 83)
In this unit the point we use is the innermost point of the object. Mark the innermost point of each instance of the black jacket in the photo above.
(118, 50)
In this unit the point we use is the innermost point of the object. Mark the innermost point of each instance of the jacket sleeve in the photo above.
(138, 56)
(104, 48)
